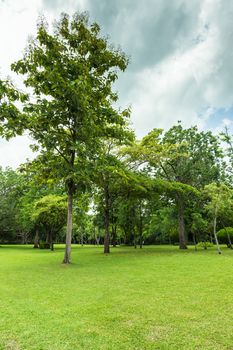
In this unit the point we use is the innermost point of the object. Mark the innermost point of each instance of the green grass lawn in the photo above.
(154, 298)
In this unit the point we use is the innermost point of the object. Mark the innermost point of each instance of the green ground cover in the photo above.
(154, 298)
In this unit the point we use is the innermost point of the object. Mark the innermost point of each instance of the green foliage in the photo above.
(199, 226)
(44, 245)
(71, 72)
(10, 116)
(163, 225)
(50, 212)
(224, 232)
(220, 198)
(205, 244)
(12, 187)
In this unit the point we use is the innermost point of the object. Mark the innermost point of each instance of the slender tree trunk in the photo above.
(229, 241)
(140, 233)
(36, 239)
(67, 256)
(81, 240)
(205, 245)
(215, 235)
(114, 236)
(211, 238)
(106, 221)
(98, 237)
(47, 236)
(140, 229)
(94, 237)
(229, 238)
(141, 242)
(194, 241)
(125, 236)
(51, 241)
(134, 240)
(181, 224)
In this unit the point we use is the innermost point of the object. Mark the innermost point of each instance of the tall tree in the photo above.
(197, 164)
(187, 158)
(71, 73)
(111, 177)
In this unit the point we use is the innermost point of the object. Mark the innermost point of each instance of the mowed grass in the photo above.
(150, 298)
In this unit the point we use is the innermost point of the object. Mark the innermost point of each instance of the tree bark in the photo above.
(97, 238)
(194, 241)
(134, 240)
(211, 238)
(140, 228)
(114, 236)
(106, 221)
(229, 238)
(67, 256)
(215, 235)
(51, 241)
(36, 239)
(81, 239)
(181, 223)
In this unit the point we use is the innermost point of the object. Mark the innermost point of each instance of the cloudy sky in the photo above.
(181, 58)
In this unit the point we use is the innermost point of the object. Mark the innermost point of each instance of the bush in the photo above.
(224, 231)
(205, 245)
(224, 234)
(44, 245)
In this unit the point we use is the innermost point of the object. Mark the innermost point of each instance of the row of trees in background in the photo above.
(168, 187)
(129, 198)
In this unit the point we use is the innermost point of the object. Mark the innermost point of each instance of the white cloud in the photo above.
(18, 20)
(193, 80)
(15, 152)
(227, 122)
(182, 55)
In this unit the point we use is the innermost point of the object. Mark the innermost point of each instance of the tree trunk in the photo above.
(141, 242)
(126, 241)
(215, 235)
(67, 256)
(181, 224)
(36, 239)
(51, 241)
(170, 241)
(134, 240)
(229, 238)
(140, 229)
(106, 222)
(47, 236)
(114, 236)
(97, 238)
(211, 238)
(194, 241)
(229, 241)
(205, 245)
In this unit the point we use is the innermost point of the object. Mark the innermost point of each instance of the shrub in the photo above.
(205, 245)
(224, 231)
(44, 245)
